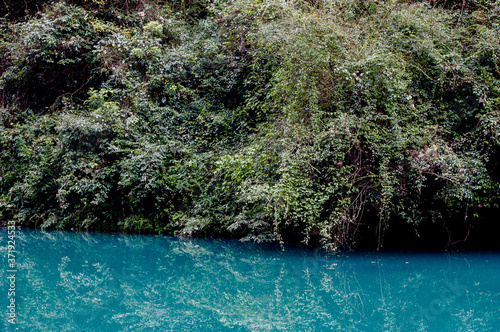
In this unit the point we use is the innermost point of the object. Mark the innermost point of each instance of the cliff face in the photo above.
(340, 124)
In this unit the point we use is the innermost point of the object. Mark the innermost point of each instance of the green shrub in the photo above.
(264, 120)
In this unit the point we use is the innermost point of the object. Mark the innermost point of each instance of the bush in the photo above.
(318, 123)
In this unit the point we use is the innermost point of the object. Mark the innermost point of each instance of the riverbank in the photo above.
(349, 124)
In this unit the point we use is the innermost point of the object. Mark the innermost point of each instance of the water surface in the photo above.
(105, 282)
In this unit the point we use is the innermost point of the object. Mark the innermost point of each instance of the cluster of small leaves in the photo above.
(381, 108)
(128, 143)
(269, 120)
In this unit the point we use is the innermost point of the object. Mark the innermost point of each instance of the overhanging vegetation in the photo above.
(322, 123)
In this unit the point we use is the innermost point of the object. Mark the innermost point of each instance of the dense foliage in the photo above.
(323, 123)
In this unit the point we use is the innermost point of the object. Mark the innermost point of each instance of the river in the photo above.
(114, 282)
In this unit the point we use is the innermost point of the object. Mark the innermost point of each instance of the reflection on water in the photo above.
(102, 282)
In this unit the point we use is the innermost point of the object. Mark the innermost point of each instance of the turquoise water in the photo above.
(103, 282)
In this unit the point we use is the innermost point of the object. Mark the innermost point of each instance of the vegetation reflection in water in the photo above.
(102, 282)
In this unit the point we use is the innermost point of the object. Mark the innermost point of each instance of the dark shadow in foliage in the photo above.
(19, 9)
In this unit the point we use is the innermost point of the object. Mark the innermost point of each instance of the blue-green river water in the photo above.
(105, 282)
